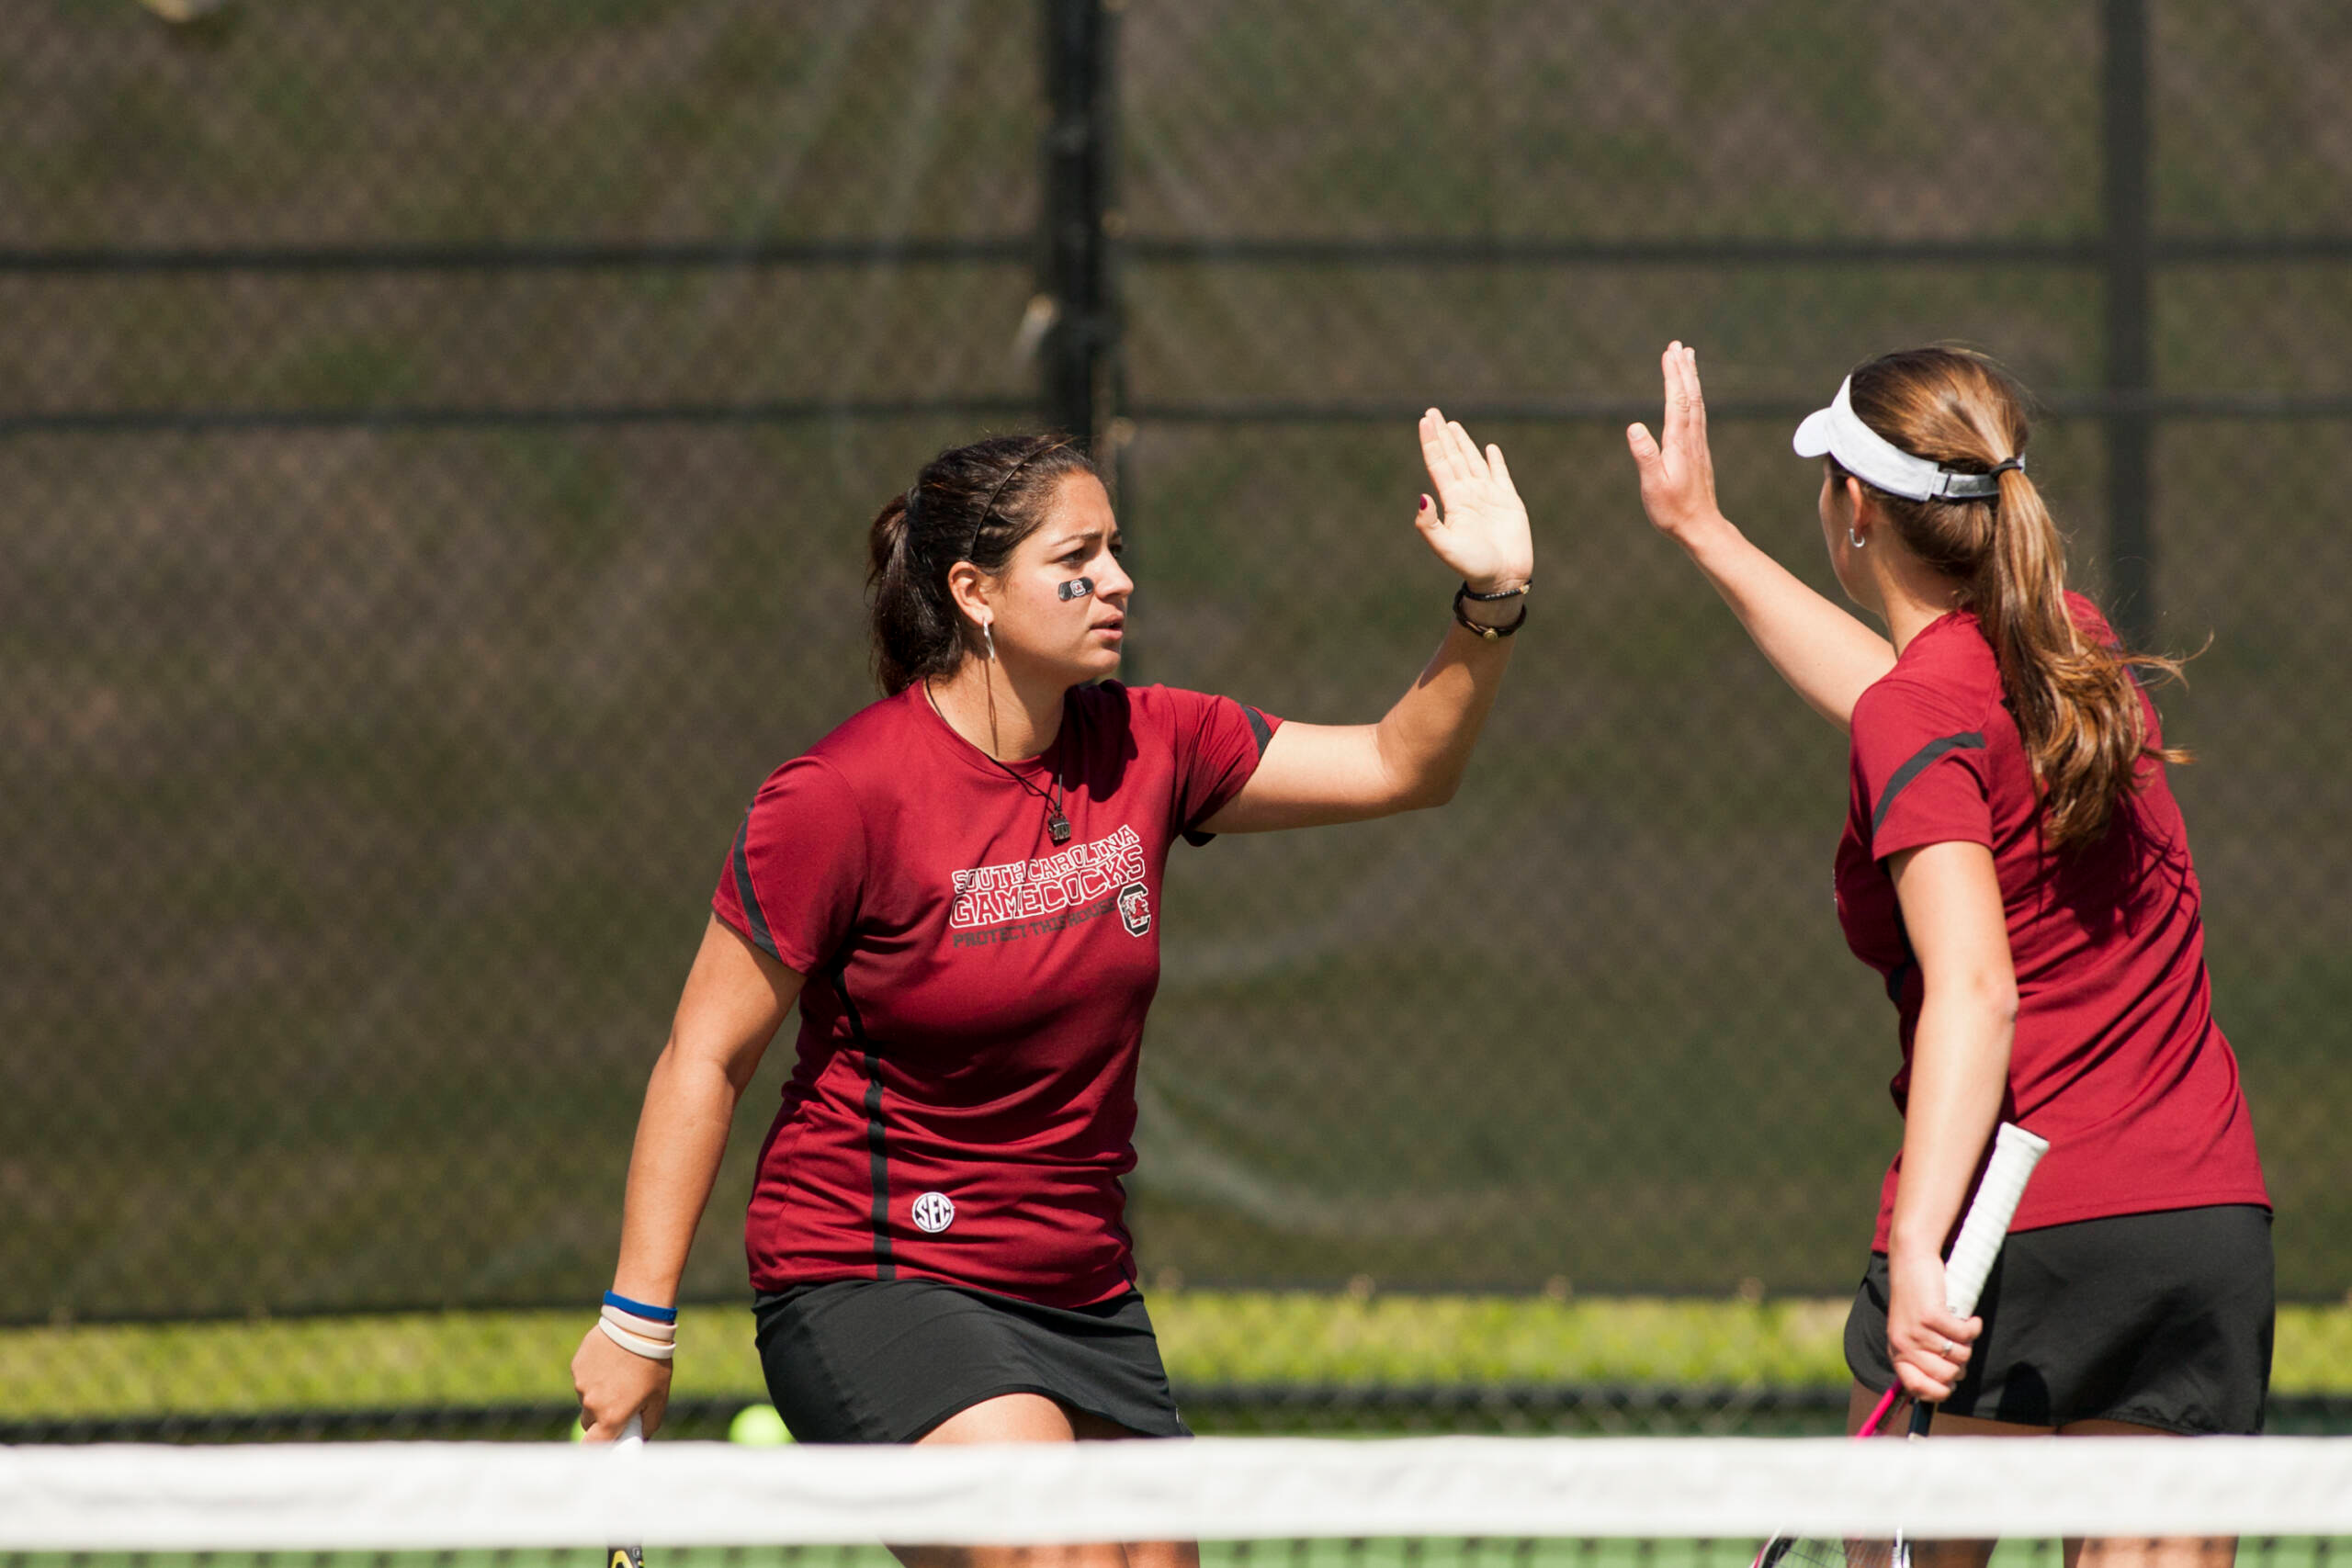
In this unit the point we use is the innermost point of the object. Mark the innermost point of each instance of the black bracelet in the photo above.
(1490, 633)
(1517, 593)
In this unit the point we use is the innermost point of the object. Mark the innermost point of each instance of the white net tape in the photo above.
(389, 1495)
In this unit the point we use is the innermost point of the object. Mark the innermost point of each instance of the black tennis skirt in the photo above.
(2162, 1320)
(884, 1361)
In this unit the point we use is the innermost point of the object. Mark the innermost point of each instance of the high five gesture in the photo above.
(1479, 526)
(1415, 756)
(1678, 473)
(1828, 655)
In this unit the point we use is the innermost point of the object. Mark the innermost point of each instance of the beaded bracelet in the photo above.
(1487, 631)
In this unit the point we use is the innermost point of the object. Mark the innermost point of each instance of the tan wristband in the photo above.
(637, 1344)
(653, 1328)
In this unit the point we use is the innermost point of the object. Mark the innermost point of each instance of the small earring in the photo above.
(988, 636)
(1853, 538)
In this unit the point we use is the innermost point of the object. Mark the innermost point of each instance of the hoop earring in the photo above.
(1853, 538)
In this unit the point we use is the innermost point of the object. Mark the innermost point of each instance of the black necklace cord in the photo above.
(1057, 827)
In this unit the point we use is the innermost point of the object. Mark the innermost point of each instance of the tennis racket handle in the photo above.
(2014, 1154)
(627, 1446)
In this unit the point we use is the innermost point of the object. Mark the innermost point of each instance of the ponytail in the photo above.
(907, 624)
(2078, 710)
(970, 504)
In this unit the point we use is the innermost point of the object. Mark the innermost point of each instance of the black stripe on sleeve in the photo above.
(753, 915)
(878, 1154)
(1260, 731)
(1969, 740)
(1258, 726)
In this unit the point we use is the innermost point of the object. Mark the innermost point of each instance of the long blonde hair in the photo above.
(2077, 708)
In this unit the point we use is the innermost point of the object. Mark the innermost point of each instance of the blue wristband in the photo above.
(659, 1314)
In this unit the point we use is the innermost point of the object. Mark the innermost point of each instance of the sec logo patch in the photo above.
(934, 1212)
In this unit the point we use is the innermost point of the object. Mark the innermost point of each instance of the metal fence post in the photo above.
(1080, 347)
(2130, 543)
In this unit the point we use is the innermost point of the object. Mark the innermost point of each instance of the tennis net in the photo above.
(1421, 1501)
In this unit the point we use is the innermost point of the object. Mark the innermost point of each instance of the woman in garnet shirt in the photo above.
(961, 889)
(2014, 866)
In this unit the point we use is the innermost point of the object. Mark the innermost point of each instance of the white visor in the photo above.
(1838, 432)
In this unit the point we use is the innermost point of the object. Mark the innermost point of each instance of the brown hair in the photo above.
(2077, 708)
(974, 503)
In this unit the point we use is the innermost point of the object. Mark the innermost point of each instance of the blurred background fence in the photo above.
(437, 443)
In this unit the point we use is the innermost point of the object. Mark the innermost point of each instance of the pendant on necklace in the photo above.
(1058, 827)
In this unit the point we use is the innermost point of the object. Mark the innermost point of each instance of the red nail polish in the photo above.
(1425, 504)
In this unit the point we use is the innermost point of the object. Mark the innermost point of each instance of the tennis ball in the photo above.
(579, 1433)
(758, 1426)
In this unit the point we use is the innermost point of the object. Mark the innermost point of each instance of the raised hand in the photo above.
(1479, 526)
(1678, 475)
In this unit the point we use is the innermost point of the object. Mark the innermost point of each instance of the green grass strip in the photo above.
(476, 1358)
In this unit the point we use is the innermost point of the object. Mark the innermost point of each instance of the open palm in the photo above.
(1479, 526)
(1678, 471)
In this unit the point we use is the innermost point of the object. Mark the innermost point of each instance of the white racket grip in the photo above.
(627, 1449)
(2014, 1154)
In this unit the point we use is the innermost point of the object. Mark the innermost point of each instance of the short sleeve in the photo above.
(1218, 742)
(1919, 770)
(793, 877)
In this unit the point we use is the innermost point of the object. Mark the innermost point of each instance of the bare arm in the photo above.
(1314, 773)
(736, 996)
(1317, 774)
(1959, 1069)
(1828, 656)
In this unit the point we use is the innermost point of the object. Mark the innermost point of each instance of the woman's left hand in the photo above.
(1478, 526)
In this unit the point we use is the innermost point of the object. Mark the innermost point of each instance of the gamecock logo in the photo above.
(1134, 909)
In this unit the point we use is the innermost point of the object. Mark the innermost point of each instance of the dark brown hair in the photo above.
(2077, 708)
(970, 504)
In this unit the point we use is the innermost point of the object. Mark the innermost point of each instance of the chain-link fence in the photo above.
(437, 441)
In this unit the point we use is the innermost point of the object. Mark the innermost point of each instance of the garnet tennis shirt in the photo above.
(2116, 1060)
(963, 1105)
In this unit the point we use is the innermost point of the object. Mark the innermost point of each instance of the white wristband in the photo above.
(652, 1349)
(653, 1328)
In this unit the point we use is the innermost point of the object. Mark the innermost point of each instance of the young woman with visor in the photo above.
(2015, 867)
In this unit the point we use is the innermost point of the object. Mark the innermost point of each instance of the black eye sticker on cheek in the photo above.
(1075, 588)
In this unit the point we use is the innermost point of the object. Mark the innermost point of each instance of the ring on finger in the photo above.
(1949, 1348)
